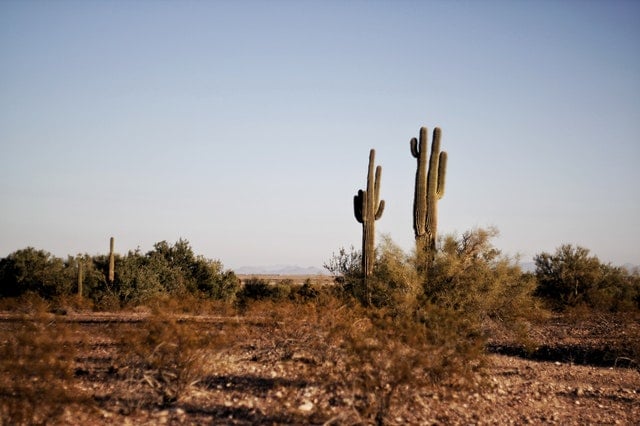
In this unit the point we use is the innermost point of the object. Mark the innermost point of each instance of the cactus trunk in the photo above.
(367, 209)
(430, 180)
(80, 276)
(112, 262)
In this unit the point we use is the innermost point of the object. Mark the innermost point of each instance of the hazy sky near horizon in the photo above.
(245, 126)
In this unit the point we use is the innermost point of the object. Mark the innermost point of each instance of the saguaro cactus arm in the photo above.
(359, 203)
(378, 202)
(367, 205)
(437, 167)
(442, 172)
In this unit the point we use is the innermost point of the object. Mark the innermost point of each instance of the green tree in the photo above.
(572, 276)
(212, 280)
(31, 270)
(565, 277)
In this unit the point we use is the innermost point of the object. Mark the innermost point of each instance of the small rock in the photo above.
(306, 406)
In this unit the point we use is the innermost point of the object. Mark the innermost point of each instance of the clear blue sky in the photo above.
(245, 127)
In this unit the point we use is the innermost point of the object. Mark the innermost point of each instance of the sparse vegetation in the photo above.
(392, 330)
(167, 355)
(36, 371)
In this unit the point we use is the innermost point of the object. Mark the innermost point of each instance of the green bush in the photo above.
(394, 282)
(305, 292)
(571, 277)
(38, 271)
(258, 289)
(166, 270)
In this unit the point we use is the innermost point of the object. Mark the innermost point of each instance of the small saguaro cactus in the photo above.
(80, 275)
(112, 262)
(368, 208)
(430, 179)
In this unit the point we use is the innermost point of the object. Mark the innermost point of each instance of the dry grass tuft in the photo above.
(165, 356)
(36, 371)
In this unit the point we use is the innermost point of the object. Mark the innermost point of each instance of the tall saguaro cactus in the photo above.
(430, 180)
(368, 208)
(112, 261)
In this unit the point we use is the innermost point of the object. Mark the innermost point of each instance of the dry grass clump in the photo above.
(27, 303)
(36, 371)
(365, 357)
(380, 353)
(164, 356)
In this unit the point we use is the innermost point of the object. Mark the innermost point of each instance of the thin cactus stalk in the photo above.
(430, 181)
(112, 261)
(80, 276)
(368, 208)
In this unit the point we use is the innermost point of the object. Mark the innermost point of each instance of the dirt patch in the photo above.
(569, 372)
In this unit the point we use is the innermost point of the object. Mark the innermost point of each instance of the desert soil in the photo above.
(569, 376)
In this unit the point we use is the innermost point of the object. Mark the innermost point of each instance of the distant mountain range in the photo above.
(280, 270)
(312, 270)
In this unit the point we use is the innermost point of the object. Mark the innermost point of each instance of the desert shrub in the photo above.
(366, 357)
(213, 281)
(29, 303)
(180, 271)
(31, 270)
(382, 352)
(258, 289)
(306, 292)
(346, 268)
(166, 270)
(288, 332)
(471, 277)
(36, 371)
(571, 277)
(418, 330)
(392, 284)
(165, 355)
(136, 280)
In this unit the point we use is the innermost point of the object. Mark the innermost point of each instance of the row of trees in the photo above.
(166, 270)
(467, 268)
